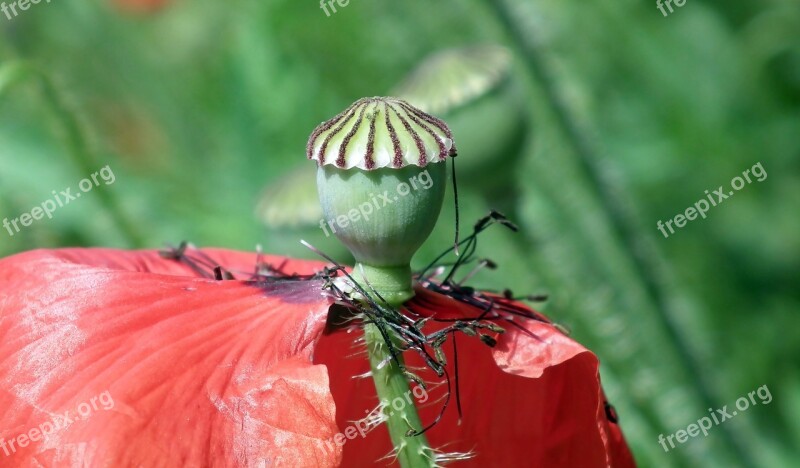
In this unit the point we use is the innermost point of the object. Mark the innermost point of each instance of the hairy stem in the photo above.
(392, 388)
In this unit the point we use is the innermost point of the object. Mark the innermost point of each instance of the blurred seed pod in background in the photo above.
(472, 88)
(452, 78)
(292, 201)
(290, 210)
(769, 39)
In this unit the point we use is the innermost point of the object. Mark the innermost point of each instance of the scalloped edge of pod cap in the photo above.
(381, 132)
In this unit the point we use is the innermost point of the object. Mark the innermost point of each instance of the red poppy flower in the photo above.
(115, 358)
(141, 6)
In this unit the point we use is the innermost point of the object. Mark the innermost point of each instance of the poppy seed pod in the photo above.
(380, 176)
(381, 182)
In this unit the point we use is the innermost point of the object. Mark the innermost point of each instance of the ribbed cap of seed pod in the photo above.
(380, 132)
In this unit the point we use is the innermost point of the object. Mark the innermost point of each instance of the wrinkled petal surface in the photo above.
(128, 359)
(112, 358)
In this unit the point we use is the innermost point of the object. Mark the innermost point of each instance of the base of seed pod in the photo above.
(383, 216)
(394, 284)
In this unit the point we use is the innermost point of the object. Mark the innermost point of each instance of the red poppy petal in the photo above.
(517, 352)
(521, 354)
(168, 370)
(531, 401)
(241, 264)
(619, 453)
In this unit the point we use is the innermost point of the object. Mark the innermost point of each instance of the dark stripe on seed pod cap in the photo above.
(380, 142)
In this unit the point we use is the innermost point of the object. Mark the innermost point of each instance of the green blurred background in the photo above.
(199, 106)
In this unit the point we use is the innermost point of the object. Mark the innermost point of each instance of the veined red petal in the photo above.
(217, 373)
(531, 401)
(157, 367)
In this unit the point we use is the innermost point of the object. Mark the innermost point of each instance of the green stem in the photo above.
(394, 286)
(383, 239)
(392, 387)
(392, 283)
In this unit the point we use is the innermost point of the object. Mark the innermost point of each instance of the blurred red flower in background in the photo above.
(140, 6)
(211, 372)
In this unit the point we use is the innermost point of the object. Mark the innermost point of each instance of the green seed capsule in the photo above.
(381, 182)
